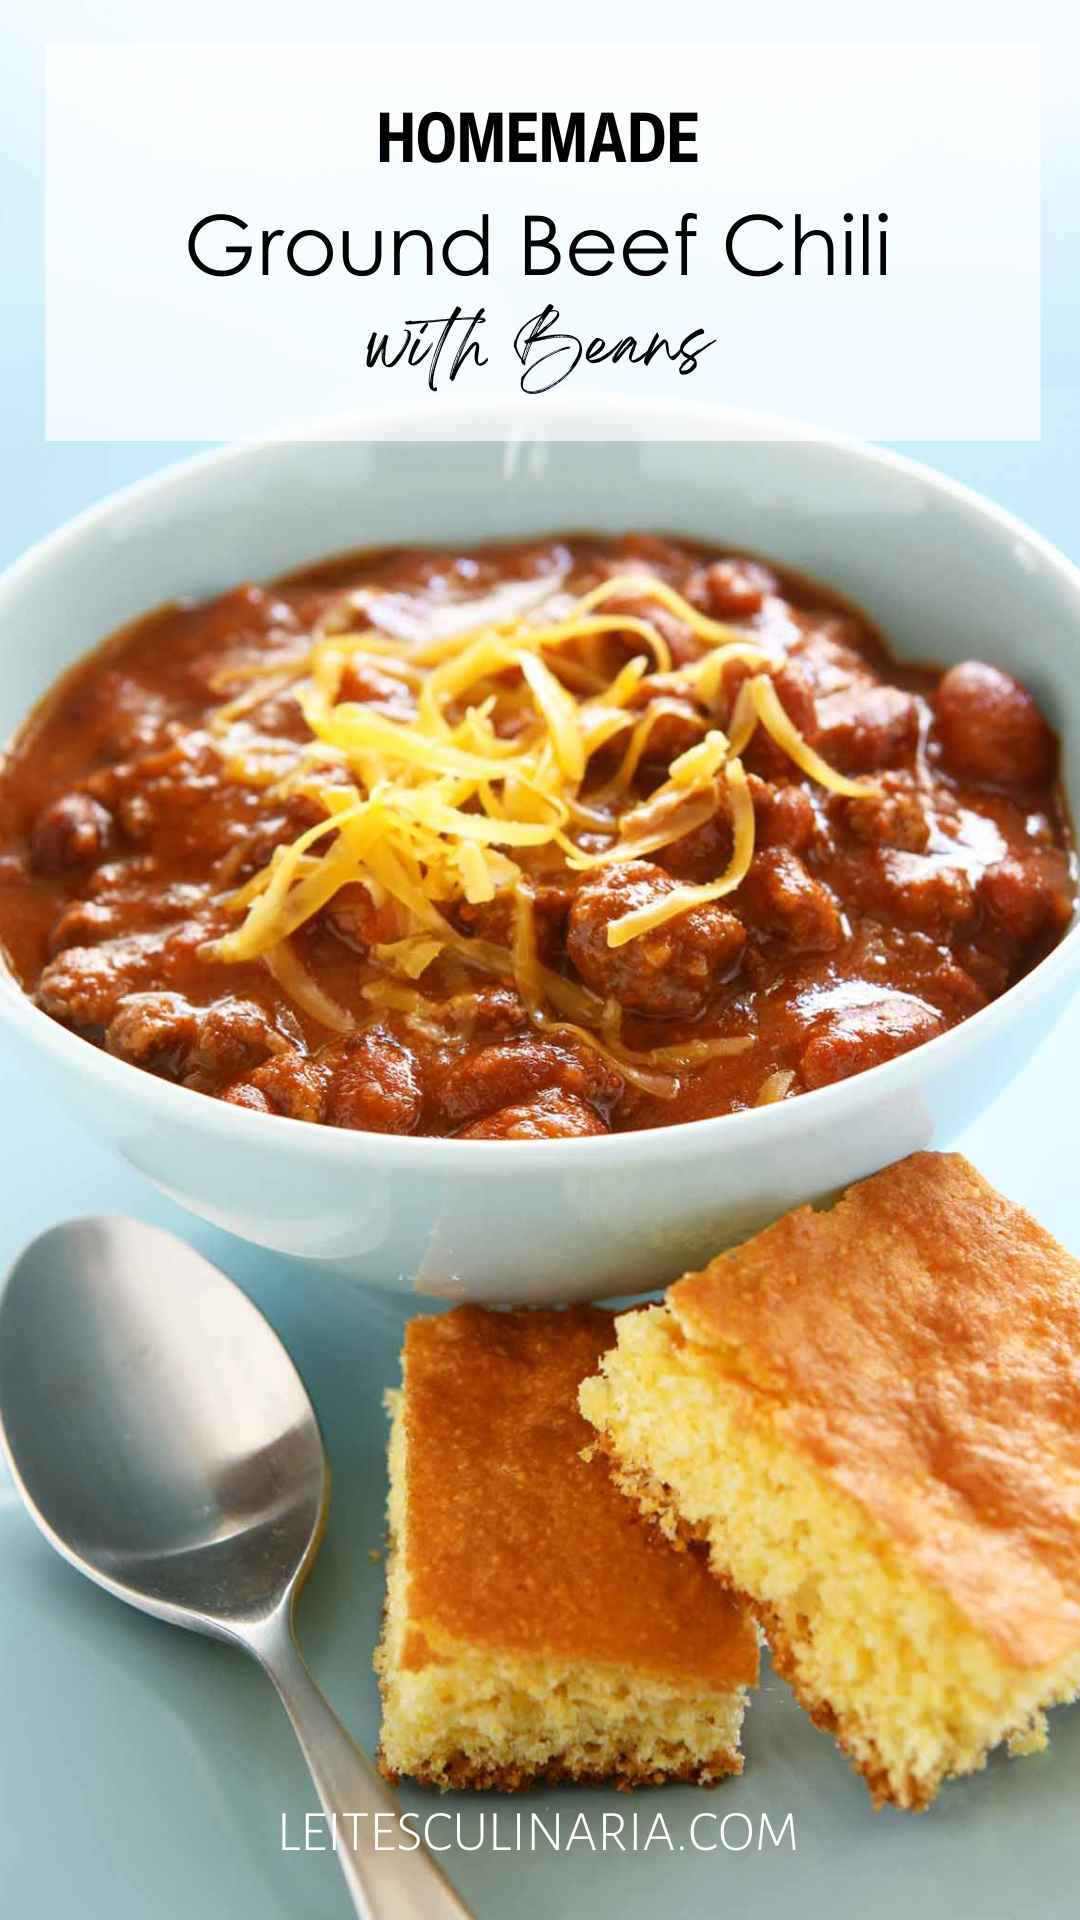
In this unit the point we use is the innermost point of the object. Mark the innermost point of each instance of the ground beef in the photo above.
(667, 973)
(205, 1047)
(484, 1079)
(154, 1030)
(232, 1036)
(252, 843)
(374, 1084)
(781, 897)
(704, 853)
(783, 815)
(551, 1116)
(173, 801)
(114, 914)
(291, 1083)
(867, 726)
(955, 990)
(245, 1095)
(733, 589)
(83, 986)
(854, 1038)
(484, 1013)
(494, 919)
(894, 812)
(929, 893)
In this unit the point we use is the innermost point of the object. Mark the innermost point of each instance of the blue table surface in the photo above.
(171, 1764)
(185, 1821)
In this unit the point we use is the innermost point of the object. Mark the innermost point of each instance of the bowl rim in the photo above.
(351, 1147)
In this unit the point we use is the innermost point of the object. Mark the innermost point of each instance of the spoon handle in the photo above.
(388, 1871)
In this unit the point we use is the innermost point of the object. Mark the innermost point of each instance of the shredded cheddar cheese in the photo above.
(683, 899)
(303, 991)
(487, 786)
(775, 1086)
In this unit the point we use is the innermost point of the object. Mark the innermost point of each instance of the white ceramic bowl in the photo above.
(946, 574)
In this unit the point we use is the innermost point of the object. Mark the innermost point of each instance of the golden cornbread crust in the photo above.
(871, 1416)
(535, 1631)
(514, 1540)
(909, 1333)
(461, 1775)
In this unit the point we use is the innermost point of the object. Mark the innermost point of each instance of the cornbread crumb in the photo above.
(534, 1629)
(871, 1416)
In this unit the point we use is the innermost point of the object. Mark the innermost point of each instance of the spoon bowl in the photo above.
(164, 1443)
(181, 1465)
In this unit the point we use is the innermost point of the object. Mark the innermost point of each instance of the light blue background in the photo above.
(142, 1774)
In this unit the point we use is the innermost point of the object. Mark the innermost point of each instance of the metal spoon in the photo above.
(163, 1442)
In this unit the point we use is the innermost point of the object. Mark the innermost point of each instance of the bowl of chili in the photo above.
(499, 909)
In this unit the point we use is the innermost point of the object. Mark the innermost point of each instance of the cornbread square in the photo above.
(872, 1417)
(534, 1628)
